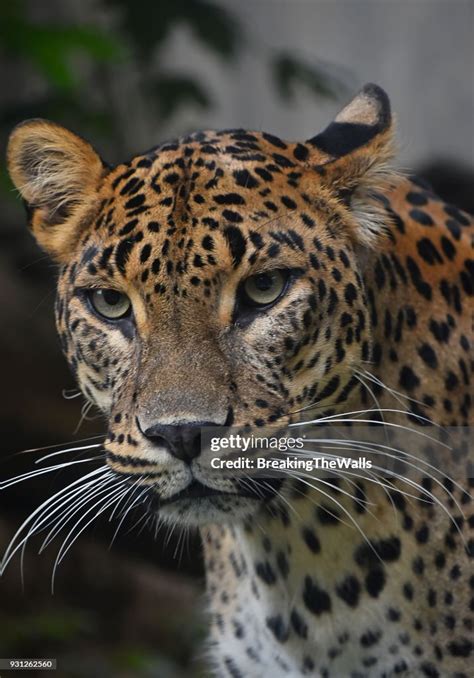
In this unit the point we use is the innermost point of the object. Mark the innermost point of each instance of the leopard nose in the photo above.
(182, 440)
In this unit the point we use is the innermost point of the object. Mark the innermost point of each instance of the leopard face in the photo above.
(213, 281)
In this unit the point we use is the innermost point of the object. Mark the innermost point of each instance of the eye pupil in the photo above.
(264, 282)
(111, 297)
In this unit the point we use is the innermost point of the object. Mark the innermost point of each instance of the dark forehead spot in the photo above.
(234, 217)
(282, 160)
(264, 174)
(274, 141)
(236, 242)
(229, 199)
(300, 152)
(245, 179)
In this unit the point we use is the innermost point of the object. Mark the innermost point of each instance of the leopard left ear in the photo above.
(57, 173)
(352, 157)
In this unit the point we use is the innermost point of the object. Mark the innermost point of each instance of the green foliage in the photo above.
(46, 627)
(149, 22)
(175, 91)
(48, 48)
(290, 72)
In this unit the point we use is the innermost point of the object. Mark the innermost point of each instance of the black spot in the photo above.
(278, 628)
(282, 564)
(231, 667)
(448, 248)
(245, 179)
(408, 379)
(330, 388)
(300, 152)
(385, 550)
(440, 331)
(145, 253)
(428, 252)
(349, 590)
(129, 226)
(236, 243)
(370, 638)
(451, 382)
(171, 178)
(326, 516)
(288, 202)
(418, 565)
(422, 535)
(350, 293)
(299, 625)
(122, 253)
(393, 614)
(416, 198)
(417, 279)
(208, 243)
(421, 217)
(428, 355)
(282, 160)
(231, 216)
(135, 202)
(274, 141)
(461, 648)
(429, 670)
(375, 581)
(311, 540)
(456, 214)
(264, 174)
(265, 572)
(229, 199)
(316, 599)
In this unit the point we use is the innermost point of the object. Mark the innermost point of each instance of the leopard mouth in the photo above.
(197, 490)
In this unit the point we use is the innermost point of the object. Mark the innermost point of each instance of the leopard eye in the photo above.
(111, 304)
(263, 289)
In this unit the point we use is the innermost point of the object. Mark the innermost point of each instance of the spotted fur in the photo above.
(381, 277)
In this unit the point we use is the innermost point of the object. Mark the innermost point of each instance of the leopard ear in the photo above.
(352, 156)
(57, 174)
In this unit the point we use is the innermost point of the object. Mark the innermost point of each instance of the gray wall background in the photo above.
(420, 51)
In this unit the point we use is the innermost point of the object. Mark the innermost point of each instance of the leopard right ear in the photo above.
(58, 175)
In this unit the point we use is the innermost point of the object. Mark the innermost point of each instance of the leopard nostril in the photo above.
(182, 440)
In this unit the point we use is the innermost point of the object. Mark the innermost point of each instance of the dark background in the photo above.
(127, 75)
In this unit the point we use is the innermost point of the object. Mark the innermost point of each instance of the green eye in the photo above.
(264, 288)
(111, 304)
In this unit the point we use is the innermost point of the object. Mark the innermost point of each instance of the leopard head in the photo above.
(215, 280)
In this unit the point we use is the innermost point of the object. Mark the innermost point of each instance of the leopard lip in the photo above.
(197, 490)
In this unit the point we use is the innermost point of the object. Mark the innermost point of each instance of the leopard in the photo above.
(232, 279)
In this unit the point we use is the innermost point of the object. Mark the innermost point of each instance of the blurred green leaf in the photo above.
(60, 625)
(175, 91)
(49, 48)
(290, 73)
(149, 22)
